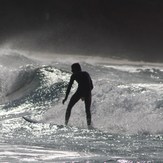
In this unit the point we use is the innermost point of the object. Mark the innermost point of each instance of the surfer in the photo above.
(83, 92)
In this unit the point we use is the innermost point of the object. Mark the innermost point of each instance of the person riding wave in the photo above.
(83, 92)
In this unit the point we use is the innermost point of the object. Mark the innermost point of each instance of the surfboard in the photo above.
(36, 121)
(30, 120)
(59, 126)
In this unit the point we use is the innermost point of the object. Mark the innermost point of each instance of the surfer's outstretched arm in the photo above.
(68, 88)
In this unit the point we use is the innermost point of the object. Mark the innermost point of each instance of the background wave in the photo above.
(126, 99)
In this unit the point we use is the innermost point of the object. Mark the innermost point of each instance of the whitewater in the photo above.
(127, 110)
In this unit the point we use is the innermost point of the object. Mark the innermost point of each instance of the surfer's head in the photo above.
(76, 67)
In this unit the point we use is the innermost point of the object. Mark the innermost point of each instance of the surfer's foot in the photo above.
(66, 122)
(90, 127)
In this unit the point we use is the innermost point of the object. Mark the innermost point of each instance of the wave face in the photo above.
(127, 99)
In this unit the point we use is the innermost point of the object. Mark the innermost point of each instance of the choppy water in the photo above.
(127, 112)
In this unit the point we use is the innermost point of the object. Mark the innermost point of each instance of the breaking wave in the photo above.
(126, 99)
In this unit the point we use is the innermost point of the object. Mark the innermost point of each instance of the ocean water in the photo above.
(127, 111)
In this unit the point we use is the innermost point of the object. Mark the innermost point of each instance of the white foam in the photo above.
(35, 153)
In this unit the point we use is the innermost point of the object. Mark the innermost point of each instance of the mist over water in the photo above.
(124, 30)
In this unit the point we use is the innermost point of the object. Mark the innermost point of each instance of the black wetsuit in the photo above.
(83, 92)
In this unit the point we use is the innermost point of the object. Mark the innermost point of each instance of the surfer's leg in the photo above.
(88, 100)
(74, 99)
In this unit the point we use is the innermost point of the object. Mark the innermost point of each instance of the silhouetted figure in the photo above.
(83, 92)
